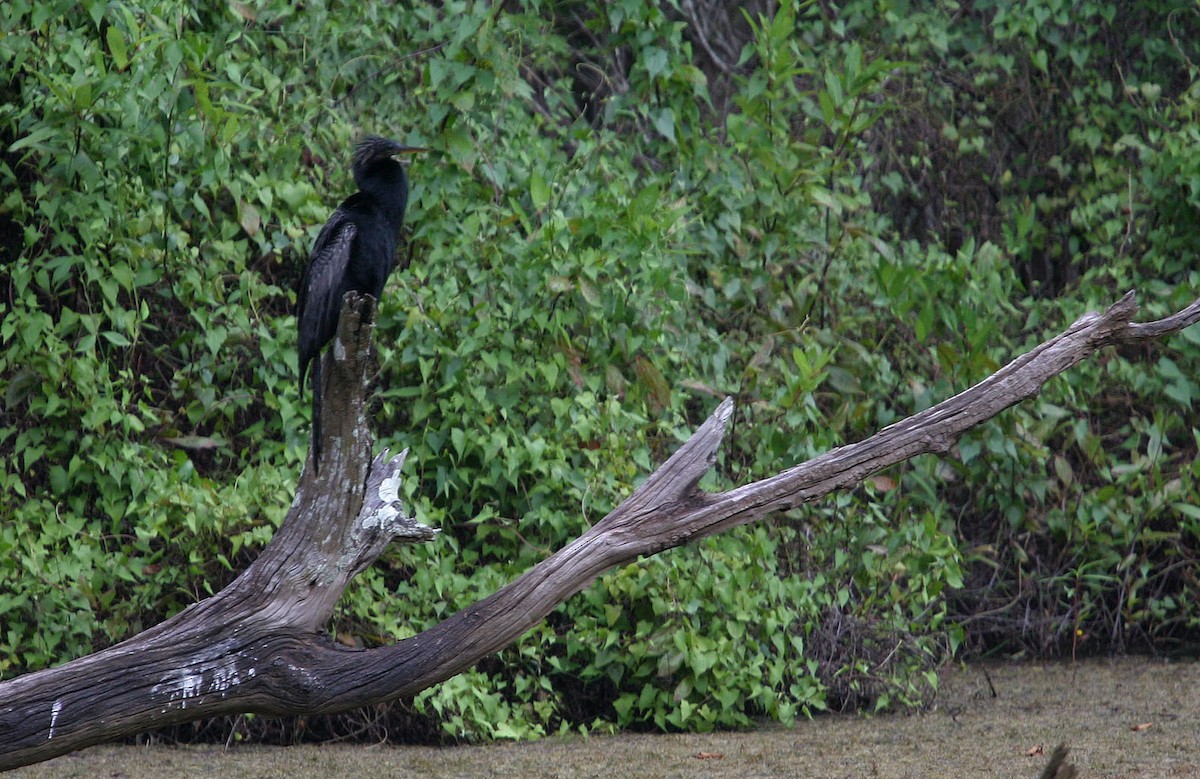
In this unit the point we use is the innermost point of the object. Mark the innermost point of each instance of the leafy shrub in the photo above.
(868, 218)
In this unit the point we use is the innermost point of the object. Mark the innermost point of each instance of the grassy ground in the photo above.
(1093, 706)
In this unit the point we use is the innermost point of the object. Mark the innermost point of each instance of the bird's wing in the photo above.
(319, 302)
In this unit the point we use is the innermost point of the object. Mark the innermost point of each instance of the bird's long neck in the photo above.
(386, 186)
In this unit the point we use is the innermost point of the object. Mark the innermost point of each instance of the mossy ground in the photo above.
(1093, 706)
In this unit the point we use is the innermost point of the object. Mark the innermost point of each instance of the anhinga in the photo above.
(354, 251)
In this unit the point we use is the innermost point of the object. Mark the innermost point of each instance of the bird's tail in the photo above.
(316, 415)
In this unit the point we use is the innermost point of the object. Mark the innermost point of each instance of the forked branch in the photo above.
(255, 646)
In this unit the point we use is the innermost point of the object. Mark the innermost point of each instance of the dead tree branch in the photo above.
(256, 646)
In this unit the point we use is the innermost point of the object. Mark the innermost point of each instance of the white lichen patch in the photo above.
(179, 687)
(228, 676)
(55, 710)
(184, 686)
(389, 488)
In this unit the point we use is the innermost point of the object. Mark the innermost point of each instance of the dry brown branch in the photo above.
(256, 646)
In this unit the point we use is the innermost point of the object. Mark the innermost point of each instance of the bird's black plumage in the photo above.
(354, 251)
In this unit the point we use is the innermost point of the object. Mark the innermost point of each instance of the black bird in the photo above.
(354, 251)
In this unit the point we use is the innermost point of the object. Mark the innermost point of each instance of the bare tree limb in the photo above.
(256, 646)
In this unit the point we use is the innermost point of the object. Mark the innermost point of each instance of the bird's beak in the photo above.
(409, 149)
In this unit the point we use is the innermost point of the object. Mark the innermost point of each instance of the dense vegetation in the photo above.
(837, 215)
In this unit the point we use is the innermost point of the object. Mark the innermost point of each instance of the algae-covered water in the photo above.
(1126, 718)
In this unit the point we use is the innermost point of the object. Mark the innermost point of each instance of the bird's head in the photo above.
(375, 155)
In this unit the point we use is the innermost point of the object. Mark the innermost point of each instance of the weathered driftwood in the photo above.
(257, 645)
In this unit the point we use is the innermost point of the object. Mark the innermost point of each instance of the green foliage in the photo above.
(1063, 133)
(139, 368)
(892, 202)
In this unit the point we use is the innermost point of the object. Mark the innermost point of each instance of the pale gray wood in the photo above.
(256, 646)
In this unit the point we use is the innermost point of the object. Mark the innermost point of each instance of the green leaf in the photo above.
(197, 442)
(116, 339)
(36, 138)
(924, 322)
(116, 46)
(1040, 60)
(833, 85)
(645, 201)
(664, 122)
(654, 59)
(828, 109)
(249, 218)
(539, 191)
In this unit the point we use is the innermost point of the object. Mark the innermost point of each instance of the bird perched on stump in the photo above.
(354, 251)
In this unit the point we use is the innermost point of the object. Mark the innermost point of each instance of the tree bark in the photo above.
(257, 647)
